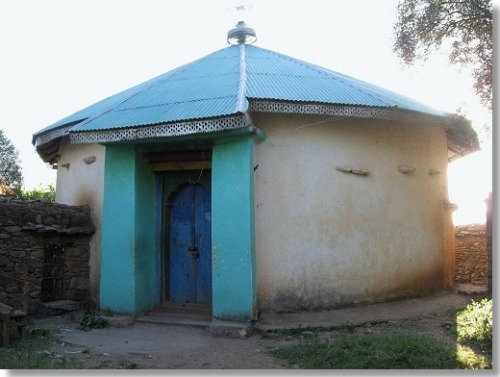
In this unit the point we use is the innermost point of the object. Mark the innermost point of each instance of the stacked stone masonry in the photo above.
(471, 256)
(29, 231)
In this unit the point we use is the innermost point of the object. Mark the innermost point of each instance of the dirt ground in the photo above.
(159, 346)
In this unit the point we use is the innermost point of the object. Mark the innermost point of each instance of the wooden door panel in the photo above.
(190, 246)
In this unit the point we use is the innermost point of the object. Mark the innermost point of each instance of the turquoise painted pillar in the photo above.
(147, 275)
(128, 233)
(233, 240)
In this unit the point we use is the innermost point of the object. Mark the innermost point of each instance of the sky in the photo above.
(59, 56)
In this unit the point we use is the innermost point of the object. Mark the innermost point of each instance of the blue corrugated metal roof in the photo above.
(221, 83)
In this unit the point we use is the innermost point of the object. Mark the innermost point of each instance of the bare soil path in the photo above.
(155, 346)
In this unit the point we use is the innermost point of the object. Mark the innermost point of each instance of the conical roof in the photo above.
(224, 86)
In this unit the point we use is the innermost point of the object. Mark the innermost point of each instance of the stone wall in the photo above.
(471, 256)
(46, 244)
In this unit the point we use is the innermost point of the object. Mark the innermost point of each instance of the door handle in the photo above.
(195, 254)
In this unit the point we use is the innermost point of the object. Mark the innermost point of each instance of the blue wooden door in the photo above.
(190, 258)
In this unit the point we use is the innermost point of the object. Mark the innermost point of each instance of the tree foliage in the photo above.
(460, 132)
(423, 25)
(11, 177)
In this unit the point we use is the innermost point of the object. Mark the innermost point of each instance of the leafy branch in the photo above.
(423, 26)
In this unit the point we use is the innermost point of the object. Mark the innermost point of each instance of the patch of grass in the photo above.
(471, 348)
(470, 359)
(378, 351)
(125, 364)
(348, 327)
(33, 353)
(309, 331)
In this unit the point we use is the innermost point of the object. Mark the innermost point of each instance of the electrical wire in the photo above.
(335, 118)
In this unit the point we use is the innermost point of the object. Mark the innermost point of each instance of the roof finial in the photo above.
(241, 34)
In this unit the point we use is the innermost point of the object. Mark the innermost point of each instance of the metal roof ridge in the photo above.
(242, 82)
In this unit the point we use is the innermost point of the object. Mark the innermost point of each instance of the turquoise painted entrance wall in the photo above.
(128, 252)
(233, 243)
(131, 252)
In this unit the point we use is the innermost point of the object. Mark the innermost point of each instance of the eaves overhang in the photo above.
(163, 130)
(347, 111)
(457, 147)
(46, 143)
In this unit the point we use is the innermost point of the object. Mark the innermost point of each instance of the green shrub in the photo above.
(41, 192)
(92, 321)
(475, 322)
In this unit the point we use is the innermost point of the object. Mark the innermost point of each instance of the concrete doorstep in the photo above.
(230, 329)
